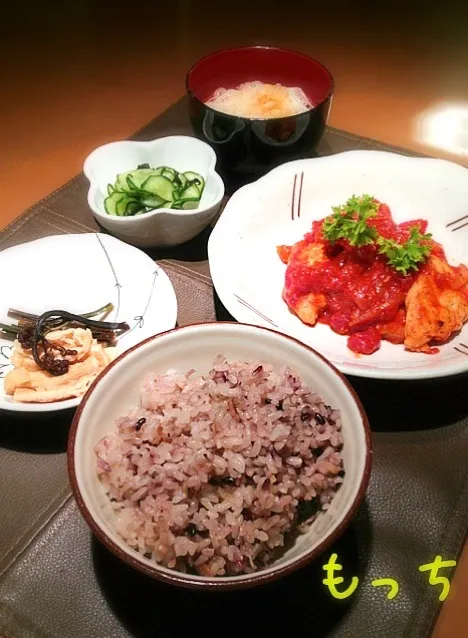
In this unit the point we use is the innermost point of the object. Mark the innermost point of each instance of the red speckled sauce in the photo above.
(365, 296)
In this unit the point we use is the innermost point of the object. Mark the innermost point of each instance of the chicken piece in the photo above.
(307, 254)
(436, 305)
(283, 253)
(302, 252)
(394, 330)
(458, 275)
(307, 307)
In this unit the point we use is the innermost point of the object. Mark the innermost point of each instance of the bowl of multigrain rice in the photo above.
(219, 456)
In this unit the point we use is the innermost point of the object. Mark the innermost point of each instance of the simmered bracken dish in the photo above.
(371, 279)
(28, 383)
(57, 355)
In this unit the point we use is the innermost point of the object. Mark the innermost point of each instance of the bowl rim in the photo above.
(287, 118)
(212, 583)
(194, 212)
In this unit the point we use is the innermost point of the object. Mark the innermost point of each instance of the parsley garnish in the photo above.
(349, 221)
(407, 256)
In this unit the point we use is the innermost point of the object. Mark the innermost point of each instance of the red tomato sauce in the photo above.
(363, 293)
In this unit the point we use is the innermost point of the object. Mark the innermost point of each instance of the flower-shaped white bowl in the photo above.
(161, 227)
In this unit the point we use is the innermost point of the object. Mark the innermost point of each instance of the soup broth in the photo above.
(257, 100)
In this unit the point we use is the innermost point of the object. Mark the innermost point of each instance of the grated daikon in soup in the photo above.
(257, 100)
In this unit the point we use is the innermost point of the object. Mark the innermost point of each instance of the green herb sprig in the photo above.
(407, 256)
(349, 222)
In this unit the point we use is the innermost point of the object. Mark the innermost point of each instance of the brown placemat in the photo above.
(56, 581)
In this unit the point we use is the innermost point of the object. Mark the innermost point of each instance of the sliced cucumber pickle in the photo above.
(190, 204)
(169, 173)
(137, 177)
(126, 204)
(182, 180)
(190, 192)
(133, 207)
(145, 189)
(195, 177)
(160, 186)
(110, 203)
(153, 201)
